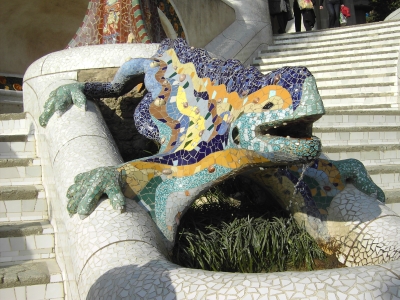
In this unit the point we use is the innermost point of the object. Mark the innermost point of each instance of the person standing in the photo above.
(333, 10)
(308, 15)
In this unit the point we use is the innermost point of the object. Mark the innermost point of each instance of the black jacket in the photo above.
(321, 2)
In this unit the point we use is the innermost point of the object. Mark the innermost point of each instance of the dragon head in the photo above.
(277, 126)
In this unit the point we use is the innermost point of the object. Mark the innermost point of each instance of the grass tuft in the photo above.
(221, 234)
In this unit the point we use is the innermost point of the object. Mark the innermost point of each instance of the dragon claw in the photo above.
(89, 186)
(61, 99)
(82, 217)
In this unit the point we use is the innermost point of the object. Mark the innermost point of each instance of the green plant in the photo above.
(381, 9)
(221, 235)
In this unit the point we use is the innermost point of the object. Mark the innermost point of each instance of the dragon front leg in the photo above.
(84, 194)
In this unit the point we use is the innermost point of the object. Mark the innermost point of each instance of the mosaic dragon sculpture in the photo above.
(214, 119)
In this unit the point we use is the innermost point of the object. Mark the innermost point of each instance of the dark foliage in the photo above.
(219, 233)
(381, 9)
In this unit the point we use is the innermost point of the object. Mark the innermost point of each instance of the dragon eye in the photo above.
(268, 105)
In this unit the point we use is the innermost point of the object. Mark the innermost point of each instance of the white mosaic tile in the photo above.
(35, 69)
(102, 56)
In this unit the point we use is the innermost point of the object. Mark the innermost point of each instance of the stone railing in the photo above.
(251, 32)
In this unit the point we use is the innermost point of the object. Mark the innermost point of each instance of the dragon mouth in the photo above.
(296, 129)
(291, 140)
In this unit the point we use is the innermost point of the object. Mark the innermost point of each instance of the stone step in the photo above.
(350, 118)
(357, 81)
(11, 102)
(359, 89)
(340, 33)
(356, 73)
(387, 177)
(393, 199)
(27, 246)
(303, 49)
(388, 52)
(372, 39)
(8, 106)
(365, 135)
(369, 155)
(366, 100)
(368, 109)
(20, 171)
(360, 58)
(17, 146)
(352, 68)
(22, 203)
(333, 66)
(27, 240)
(15, 124)
(39, 279)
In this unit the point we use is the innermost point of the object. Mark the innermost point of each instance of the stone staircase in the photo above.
(27, 249)
(356, 69)
(10, 101)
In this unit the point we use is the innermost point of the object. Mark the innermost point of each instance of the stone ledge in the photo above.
(372, 170)
(359, 76)
(344, 68)
(25, 274)
(338, 56)
(323, 47)
(360, 85)
(340, 38)
(19, 192)
(12, 116)
(101, 74)
(357, 129)
(9, 107)
(362, 110)
(360, 95)
(392, 196)
(11, 93)
(13, 138)
(359, 148)
(311, 64)
(24, 228)
(16, 162)
(28, 273)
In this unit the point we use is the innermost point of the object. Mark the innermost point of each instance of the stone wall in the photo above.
(31, 29)
(203, 20)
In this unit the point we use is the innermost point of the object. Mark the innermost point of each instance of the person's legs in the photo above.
(307, 19)
(282, 22)
(297, 16)
(331, 11)
(336, 7)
